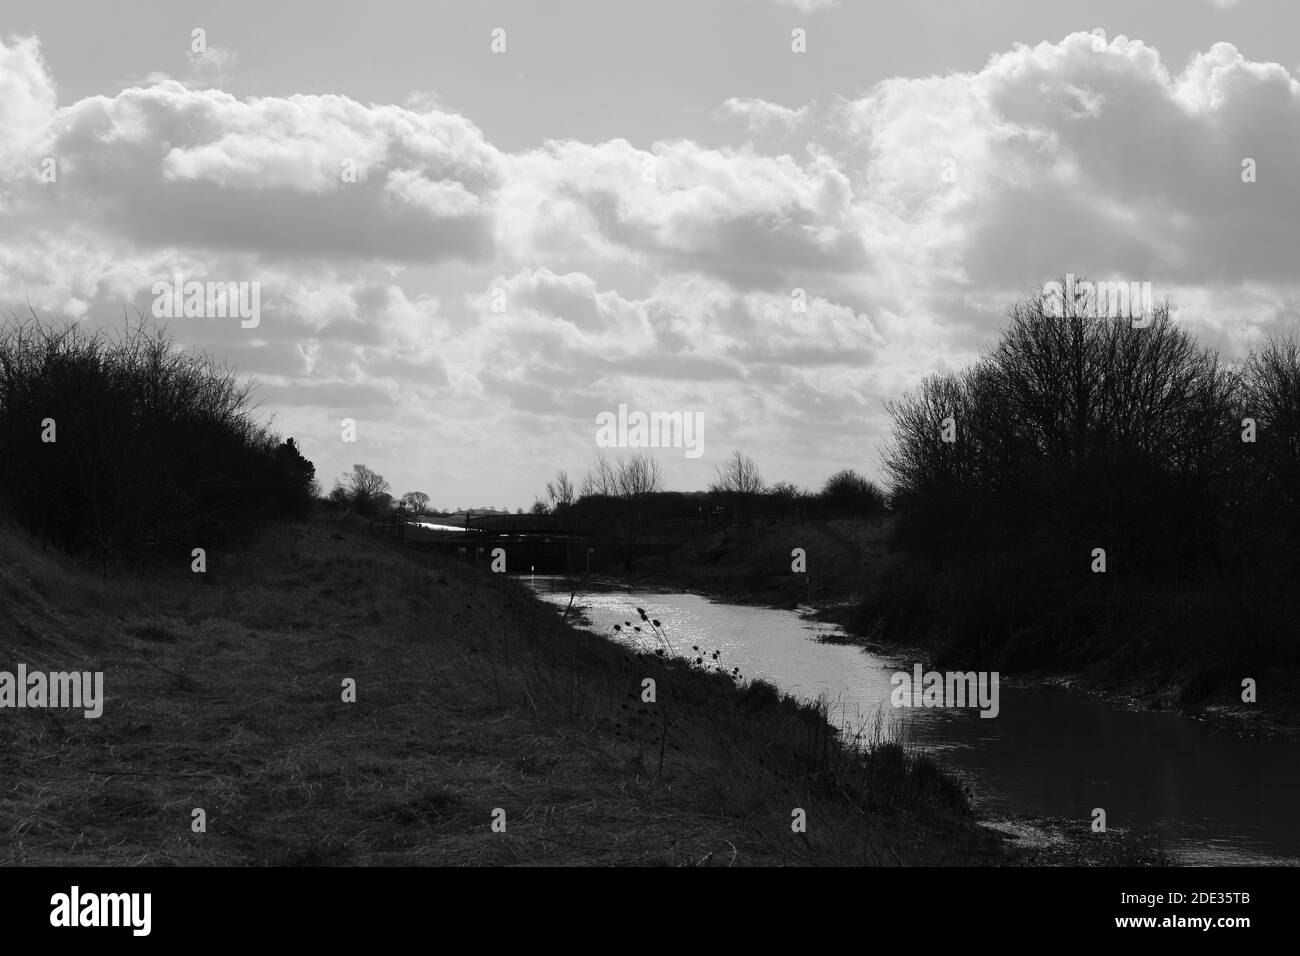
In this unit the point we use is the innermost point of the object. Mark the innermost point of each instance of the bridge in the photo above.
(568, 524)
(631, 524)
(564, 542)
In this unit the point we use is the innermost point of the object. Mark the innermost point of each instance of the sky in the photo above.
(475, 227)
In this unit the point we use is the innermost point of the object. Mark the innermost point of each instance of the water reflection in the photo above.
(1214, 797)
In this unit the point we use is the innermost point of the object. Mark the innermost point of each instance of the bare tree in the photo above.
(740, 474)
(1271, 386)
(365, 490)
(560, 492)
(638, 477)
(602, 481)
(414, 501)
(934, 428)
(1074, 428)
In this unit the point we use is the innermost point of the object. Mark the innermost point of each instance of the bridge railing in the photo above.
(518, 524)
(598, 525)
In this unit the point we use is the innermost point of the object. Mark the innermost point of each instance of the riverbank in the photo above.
(756, 565)
(225, 692)
(878, 595)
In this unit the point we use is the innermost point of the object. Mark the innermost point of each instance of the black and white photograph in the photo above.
(694, 433)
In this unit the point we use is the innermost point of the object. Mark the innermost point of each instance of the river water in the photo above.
(1213, 796)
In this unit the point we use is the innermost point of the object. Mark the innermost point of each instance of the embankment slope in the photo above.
(224, 692)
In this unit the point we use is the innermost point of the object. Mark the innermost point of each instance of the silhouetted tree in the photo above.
(560, 492)
(637, 477)
(1075, 430)
(603, 480)
(1271, 396)
(786, 492)
(294, 481)
(847, 490)
(365, 491)
(414, 501)
(739, 476)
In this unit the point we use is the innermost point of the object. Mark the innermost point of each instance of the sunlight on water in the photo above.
(1215, 798)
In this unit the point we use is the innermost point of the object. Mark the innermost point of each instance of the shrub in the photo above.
(126, 445)
(848, 491)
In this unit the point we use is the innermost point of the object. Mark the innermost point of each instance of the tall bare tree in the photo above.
(1271, 396)
(602, 480)
(637, 477)
(739, 475)
(1075, 428)
(560, 492)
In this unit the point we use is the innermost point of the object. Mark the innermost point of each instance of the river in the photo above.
(1214, 797)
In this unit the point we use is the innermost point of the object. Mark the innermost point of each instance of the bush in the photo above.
(848, 491)
(123, 446)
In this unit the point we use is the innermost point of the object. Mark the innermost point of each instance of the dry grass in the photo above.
(224, 693)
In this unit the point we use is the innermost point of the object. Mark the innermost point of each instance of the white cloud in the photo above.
(760, 114)
(1063, 156)
(734, 212)
(660, 275)
(442, 198)
(28, 100)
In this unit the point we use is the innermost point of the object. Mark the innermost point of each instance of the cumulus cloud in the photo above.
(664, 274)
(27, 103)
(748, 217)
(1062, 157)
(169, 167)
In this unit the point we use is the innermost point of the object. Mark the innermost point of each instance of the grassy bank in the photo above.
(224, 693)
